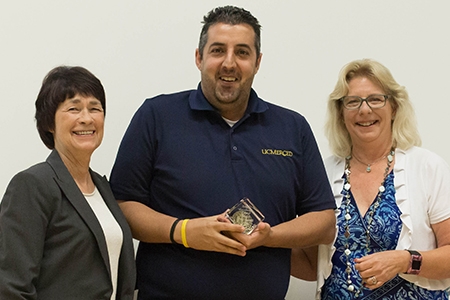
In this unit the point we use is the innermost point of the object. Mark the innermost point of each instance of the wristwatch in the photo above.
(414, 262)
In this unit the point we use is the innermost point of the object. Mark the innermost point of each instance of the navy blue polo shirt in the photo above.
(180, 158)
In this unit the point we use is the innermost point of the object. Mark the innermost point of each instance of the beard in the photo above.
(222, 95)
(227, 95)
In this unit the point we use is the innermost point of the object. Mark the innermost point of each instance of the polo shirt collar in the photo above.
(197, 101)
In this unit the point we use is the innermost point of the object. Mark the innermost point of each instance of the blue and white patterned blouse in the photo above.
(384, 234)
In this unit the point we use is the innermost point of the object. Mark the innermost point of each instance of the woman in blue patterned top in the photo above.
(393, 217)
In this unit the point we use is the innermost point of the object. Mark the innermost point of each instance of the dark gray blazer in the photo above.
(51, 243)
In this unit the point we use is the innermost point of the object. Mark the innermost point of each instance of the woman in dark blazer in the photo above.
(62, 234)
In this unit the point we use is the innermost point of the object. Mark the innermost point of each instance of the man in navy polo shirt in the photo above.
(188, 157)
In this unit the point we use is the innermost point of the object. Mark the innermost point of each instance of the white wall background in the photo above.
(140, 49)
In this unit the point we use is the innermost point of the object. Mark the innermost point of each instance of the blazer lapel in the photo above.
(78, 201)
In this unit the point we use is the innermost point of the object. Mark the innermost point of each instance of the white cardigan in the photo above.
(422, 184)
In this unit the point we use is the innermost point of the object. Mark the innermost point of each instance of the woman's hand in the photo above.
(378, 268)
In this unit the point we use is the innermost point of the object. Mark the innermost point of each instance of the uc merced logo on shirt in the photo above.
(277, 152)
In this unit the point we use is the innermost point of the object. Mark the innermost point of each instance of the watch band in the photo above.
(415, 262)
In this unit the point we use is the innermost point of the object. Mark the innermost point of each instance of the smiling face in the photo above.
(79, 123)
(228, 66)
(368, 126)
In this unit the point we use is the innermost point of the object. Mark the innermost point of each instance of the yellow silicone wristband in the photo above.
(183, 233)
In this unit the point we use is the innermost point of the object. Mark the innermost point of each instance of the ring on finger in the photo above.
(373, 280)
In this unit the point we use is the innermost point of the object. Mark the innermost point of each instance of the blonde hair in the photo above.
(404, 127)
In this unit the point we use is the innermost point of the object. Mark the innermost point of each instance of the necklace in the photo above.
(368, 168)
(373, 208)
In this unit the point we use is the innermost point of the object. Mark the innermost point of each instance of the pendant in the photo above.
(368, 169)
(347, 234)
(390, 157)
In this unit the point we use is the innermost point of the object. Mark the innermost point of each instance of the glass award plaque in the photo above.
(245, 213)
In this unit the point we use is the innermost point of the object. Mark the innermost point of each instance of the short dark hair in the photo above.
(61, 83)
(229, 15)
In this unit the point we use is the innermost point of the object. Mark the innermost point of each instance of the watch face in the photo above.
(415, 265)
(416, 262)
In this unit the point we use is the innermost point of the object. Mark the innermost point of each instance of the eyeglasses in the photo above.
(373, 101)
